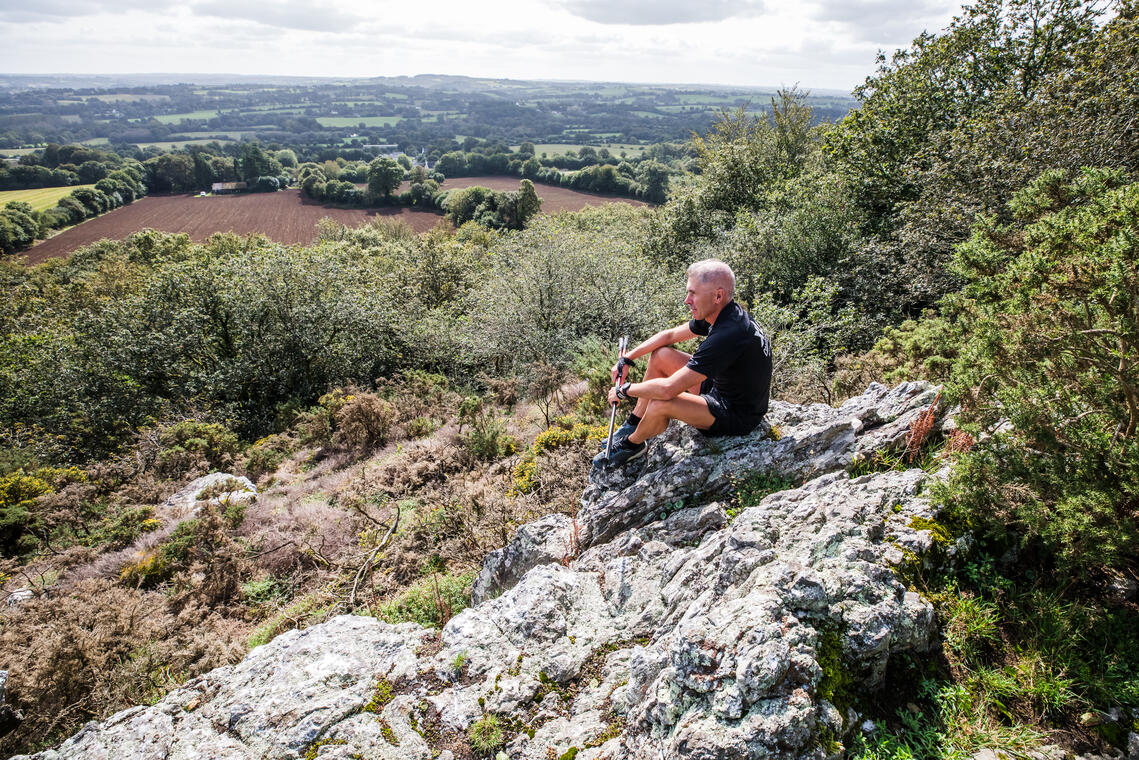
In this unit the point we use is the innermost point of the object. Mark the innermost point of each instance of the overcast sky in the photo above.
(826, 44)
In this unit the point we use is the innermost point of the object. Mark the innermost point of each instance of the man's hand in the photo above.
(613, 400)
(621, 367)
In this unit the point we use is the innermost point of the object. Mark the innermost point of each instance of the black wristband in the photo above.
(625, 361)
(623, 392)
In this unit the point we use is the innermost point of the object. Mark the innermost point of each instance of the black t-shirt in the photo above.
(736, 357)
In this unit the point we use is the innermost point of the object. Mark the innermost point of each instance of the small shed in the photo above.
(228, 187)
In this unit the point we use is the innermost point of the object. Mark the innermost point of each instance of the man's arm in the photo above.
(669, 337)
(665, 388)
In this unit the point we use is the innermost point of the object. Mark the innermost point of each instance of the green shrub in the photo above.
(192, 446)
(421, 427)
(266, 455)
(431, 601)
(486, 734)
(486, 438)
(262, 590)
(1050, 327)
(18, 492)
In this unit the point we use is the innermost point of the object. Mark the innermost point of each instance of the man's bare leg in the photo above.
(687, 407)
(662, 363)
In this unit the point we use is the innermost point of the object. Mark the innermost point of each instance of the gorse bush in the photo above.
(195, 447)
(1050, 337)
(364, 422)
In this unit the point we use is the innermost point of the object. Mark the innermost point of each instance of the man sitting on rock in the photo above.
(722, 389)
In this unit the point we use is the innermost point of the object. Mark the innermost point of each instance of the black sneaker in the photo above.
(619, 436)
(624, 453)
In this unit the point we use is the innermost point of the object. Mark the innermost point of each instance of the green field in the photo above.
(172, 144)
(352, 121)
(553, 149)
(17, 151)
(210, 134)
(126, 97)
(41, 198)
(174, 118)
(97, 141)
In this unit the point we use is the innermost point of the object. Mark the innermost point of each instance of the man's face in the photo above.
(703, 299)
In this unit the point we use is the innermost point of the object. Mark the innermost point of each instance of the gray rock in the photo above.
(548, 539)
(183, 504)
(1133, 746)
(676, 632)
(278, 702)
(683, 466)
(19, 596)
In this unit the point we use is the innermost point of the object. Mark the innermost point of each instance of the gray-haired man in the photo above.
(722, 389)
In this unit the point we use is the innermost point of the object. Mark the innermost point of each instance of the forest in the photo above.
(974, 221)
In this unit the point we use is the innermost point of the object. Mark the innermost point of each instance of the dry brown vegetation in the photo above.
(374, 501)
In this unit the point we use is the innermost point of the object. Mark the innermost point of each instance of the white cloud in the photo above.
(892, 22)
(41, 10)
(661, 12)
(818, 43)
(287, 14)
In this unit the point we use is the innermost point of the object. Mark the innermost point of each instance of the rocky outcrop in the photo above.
(683, 627)
(215, 488)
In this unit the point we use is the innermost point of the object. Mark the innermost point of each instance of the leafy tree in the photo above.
(171, 172)
(562, 279)
(531, 167)
(941, 136)
(286, 158)
(384, 176)
(653, 178)
(528, 203)
(742, 160)
(203, 170)
(995, 50)
(255, 163)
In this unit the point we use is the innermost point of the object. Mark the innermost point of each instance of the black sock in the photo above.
(633, 420)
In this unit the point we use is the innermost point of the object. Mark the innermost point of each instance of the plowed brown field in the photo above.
(286, 216)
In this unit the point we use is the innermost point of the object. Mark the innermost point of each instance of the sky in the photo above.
(823, 44)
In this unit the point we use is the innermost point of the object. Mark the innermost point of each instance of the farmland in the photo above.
(286, 217)
(554, 149)
(413, 112)
(39, 198)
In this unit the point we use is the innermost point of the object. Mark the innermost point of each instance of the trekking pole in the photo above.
(621, 346)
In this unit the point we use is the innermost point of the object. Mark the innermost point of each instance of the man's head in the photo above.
(710, 288)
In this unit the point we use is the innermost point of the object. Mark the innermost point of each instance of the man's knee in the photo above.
(659, 408)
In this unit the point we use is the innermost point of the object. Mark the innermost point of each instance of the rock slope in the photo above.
(652, 625)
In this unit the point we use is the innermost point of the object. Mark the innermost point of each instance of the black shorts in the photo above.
(728, 421)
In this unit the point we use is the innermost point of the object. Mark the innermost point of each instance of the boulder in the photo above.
(218, 487)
